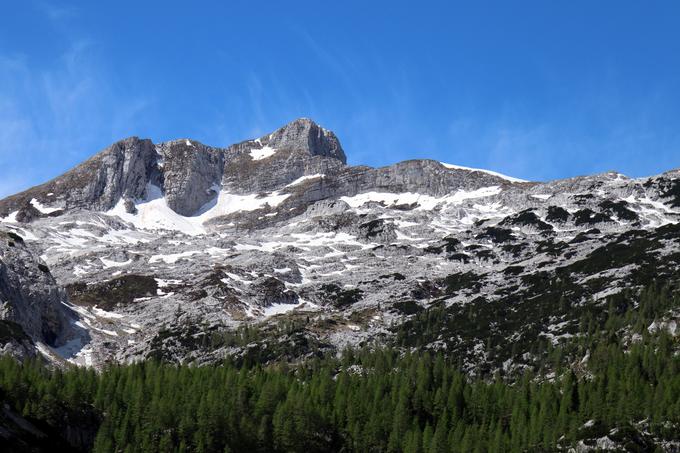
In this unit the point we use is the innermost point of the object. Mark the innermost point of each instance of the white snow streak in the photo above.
(43, 209)
(262, 153)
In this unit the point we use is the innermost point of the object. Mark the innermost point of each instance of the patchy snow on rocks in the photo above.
(42, 208)
(302, 179)
(110, 263)
(262, 153)
(155, 214)
(10, 218)
(425, 202)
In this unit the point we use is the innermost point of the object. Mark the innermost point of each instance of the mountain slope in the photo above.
(168, 250)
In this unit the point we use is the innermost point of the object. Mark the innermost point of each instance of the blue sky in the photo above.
(535, 89)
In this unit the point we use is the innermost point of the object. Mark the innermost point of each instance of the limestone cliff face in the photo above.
(191, 174)
(120, 171)
(188, 173)
(305, 135)
(30, 300)
(271, 162)
(416, 176)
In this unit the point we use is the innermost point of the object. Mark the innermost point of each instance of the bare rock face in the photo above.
(271, 291)
(27, 214)
(30, 300)
(191, 174)
(122, 170)
(187, 173)
(305, 135)
(246, 175)
(416, 176)
(271, 162)
(326, 208)
(302, 159)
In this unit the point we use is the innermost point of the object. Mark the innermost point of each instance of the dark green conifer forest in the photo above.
(377, 399)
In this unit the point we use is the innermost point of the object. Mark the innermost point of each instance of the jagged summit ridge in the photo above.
(187, 171)
(191, 176)
(305, 134)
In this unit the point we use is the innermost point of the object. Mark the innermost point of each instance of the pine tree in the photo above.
(439, 439)
(428, 434)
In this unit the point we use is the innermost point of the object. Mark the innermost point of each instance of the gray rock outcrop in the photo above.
(120, 171)
(305, 135)
(191, 174)
(30, 300)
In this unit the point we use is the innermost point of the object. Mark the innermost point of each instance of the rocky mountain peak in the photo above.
(304, 134)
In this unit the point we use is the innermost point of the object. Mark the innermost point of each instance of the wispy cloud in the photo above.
(56, 13)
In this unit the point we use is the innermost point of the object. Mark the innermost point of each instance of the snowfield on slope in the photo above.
(154, 212)
(425, 202)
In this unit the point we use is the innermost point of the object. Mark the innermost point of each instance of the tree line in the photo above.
(614, 374)
(379, 400)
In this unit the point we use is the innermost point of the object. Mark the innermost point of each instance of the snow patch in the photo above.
(306, 178)
(227, 203)
(40, 207)
(278, 309)
(171, 258)
(262, 153)
(11, 217)
(109, 263)
(542, 196)
(154, 212)
(163, 283)
(106, 314)
(425, 202)
(44, 350)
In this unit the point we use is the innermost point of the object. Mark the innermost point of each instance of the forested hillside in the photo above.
(617, 385)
